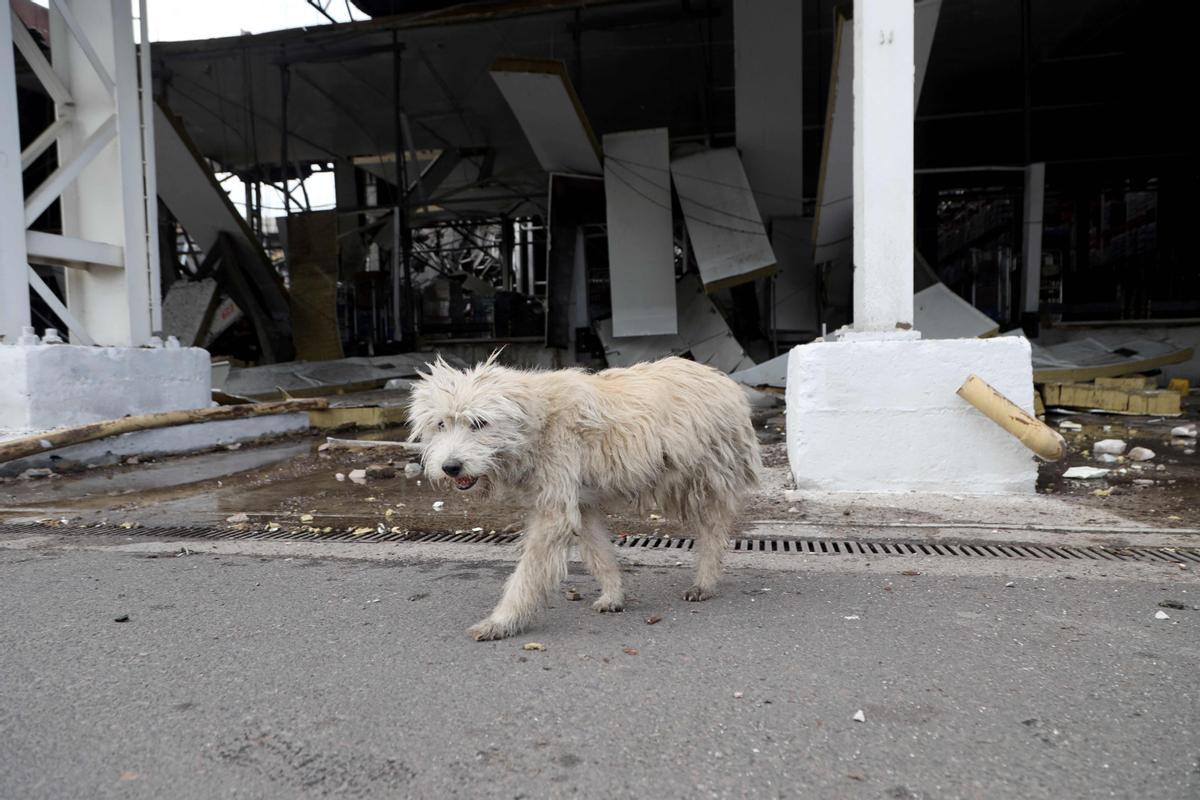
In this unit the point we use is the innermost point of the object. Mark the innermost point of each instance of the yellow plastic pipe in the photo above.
(1030, 431)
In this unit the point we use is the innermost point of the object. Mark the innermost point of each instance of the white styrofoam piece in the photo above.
(769, 102)
(883, 416)
(723, 223)
(702, 332)
(1085, 473)
(835, 202)
(167, 441)
(57, 385)
(641, 243)
(544, 106)
(939, 313)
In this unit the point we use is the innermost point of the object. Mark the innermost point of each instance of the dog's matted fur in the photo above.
(673, 435)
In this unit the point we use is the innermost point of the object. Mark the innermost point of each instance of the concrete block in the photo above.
(883, 416)
(51, 386)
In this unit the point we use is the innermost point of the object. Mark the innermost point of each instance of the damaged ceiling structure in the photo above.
(490, 104)
(594, 182)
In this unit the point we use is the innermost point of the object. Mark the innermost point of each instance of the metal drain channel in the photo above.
(775, 545)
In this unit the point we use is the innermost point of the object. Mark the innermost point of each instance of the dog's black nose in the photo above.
(452, 468)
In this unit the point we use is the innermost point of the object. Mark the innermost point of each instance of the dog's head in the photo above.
(474, 424)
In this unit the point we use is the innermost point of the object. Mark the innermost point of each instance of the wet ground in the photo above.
(1173, 497)
(286, 481)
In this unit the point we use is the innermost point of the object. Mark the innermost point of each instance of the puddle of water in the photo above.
(1176, 488)
(150, 476)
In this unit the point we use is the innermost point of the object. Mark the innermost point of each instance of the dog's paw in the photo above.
(695, 594)
(606, 605)
(489, 631)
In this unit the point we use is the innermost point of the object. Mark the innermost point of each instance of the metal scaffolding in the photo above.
(104, 181)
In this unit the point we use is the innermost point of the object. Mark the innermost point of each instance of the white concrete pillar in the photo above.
(14, 280)
(1031, 243)
(883, 165)
(106, 203)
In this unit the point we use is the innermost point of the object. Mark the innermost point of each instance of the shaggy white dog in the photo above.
(672, 435)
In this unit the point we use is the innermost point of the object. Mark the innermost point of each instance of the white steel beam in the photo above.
(41, 198)
(42, 143)
(37, 62)
(79, 334)
(67, 251)
(149, 171)
(83, 42)
(133, 175)
(106, 203)
(14, 285)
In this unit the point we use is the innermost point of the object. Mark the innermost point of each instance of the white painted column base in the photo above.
(882, 415)
(46, 386)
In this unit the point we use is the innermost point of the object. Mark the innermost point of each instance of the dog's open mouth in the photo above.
(465, 482)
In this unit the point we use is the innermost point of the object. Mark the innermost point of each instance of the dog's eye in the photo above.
(478, 423)
(442, 425)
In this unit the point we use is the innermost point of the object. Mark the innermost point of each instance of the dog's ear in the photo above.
(422, 405)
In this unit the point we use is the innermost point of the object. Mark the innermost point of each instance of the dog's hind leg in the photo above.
(542, 567)
(712, 541)
(600, 558)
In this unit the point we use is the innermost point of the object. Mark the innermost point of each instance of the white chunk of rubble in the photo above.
(1085, 473)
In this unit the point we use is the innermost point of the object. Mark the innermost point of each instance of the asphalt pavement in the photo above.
(291, 676)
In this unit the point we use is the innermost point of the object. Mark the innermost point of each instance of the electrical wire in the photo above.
(699, 220)
(703, 179)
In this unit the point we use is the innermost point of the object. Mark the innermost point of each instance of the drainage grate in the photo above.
(776, 545)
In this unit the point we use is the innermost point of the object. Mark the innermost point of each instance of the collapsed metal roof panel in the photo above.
(633, 63)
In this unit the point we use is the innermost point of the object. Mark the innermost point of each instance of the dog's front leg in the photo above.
(542, 567)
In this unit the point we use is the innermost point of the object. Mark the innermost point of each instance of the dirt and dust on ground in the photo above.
(294, 483)
(1163, 491)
